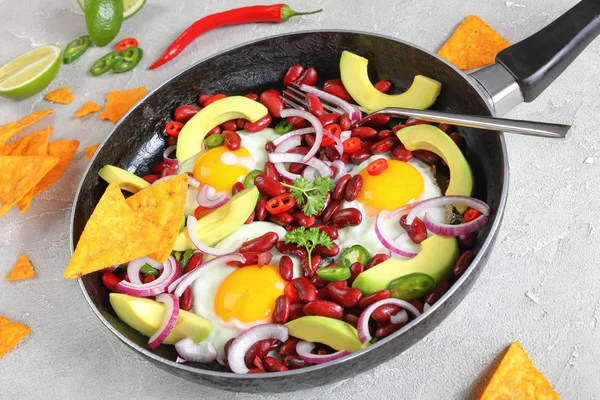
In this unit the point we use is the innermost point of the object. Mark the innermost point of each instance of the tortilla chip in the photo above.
(473, 44)
(11, 333)
(163, 205)
(22, 270)
(19, 175)
(113, 235)
(517, 378)
(88, 108)
(34, 144)
(91, 150)
(9, 130)
(119, 102)
(62, 96)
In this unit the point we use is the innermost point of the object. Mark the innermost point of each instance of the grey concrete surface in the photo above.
(539, 287)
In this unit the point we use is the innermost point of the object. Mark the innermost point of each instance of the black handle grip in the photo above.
(538, 60)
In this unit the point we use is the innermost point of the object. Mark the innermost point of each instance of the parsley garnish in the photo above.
(308, 239)
(310, 194)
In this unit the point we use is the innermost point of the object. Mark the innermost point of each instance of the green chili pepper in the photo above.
(283, 127)
(121, 269)
(249, 179)
(215, 140)
(411, 286)
(334, 273)
(353, 254)
(76, 48)
(185, 259)
(105, 63)
(148, 270)
(131, 58)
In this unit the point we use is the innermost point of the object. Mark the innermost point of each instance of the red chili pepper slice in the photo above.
(200, 212)
(335, 130)
(352, 145)
(377, 167)
(280, 204)
(126, 44)
(173, 128)
(471, 214)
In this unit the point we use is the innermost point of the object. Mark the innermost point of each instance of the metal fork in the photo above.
(295, 97)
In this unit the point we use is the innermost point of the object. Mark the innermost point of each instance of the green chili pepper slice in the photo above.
(215, 140)
(249, 179)
(76, 48)
(185, 259)
(334, 273)
(148, 270)
(105, 63)
(283, 127)
(353, 254)
(411, 286)
(131, 58)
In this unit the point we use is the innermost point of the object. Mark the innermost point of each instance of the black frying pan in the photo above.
(522, 72)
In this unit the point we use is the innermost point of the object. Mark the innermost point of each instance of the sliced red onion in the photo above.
(442, 229)
(153, 263)
(339, 146)
(391, 246)
(133, 270)
(341, 169)
(345, 135)
(171, 272)
(191, 230)
(444, 201)
(208, 198)
(309, 173)
(426, 307)
(241, 344)
(203, 352)
(400, 318)
(288, 135)
(168, 324)
(314, 121)
(353, 112)
(288, 144)
(321, 167)
(264, 258)
(304, 349)
(180, 360)
(190, 277)
(167, 152)
(363, 321)
(193, 182)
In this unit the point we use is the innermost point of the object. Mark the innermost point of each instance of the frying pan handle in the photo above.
(538, 60)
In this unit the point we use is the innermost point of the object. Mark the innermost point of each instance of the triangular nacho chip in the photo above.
(91, 150)
(23, 269)
(9, 130)
(517, 378)
(19, 175)
(118, 102)
(62, 96)
(11, 333)
(34, 144)
(88, 108)
(163, 205)
(113, 235)
(473, 44)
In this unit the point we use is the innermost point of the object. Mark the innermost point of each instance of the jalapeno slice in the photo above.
(105, 63)
(148, 270)
(131, 58)
(334, 274)
(76, 48)
(249, 179)
(411, 286)
(215, 140)
(185, 259)
(353, 254)
(283, 127)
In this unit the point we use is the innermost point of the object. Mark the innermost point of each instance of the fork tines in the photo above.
(296, 98)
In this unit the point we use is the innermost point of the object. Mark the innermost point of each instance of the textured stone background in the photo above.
(539, 286)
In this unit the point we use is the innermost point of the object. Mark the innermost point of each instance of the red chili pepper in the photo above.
(471, 214)
(200, 212)
(281, 203)
(352, 145)
(126, 44)
(335, 130)
(173, 128)
(377, 167)
(243, 15)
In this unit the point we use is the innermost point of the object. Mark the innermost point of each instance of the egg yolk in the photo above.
(397, 186)
(249, 293)
(211, 169)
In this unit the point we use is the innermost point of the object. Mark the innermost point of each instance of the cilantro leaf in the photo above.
(310, 194)
(309, 239)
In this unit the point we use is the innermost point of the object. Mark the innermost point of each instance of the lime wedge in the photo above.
(30, 73)
(130, 7)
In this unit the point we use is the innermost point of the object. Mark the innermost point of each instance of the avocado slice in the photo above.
(192, 135)
(222, 222)
(125, 179)
(353, 69)
(146, 316)
(436, 258)
(338, 335)
(429, 137)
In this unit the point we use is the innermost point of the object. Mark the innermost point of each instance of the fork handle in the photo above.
(490, 123)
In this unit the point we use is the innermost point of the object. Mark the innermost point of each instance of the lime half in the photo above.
(130, 7)
(30, 73)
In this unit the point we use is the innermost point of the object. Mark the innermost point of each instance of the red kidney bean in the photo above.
(290, 249)
(195, 260)
(251, 96)
(355, 269)
(233, 141)
(325, 204)
(186, 302)
(151, 178)
(314, 106)
(345, 122)
(271, 100)
(110, 281)
(378, 120)
(327, 119)
(385, 330)
(288, 347)
(346, 297)
(325, 252)
(446, 128)
(329, 231)
(364, 133)
(416, 231)
(309, 77)
(240, 123)
(401, 154)
(308, 271)
(384, 145)
(295, 362)
(262, 243)
(418, 304)
(346, 217)
(167, 172)
(427, 156)
(373, 298)
(338, 90)
(466, 242)
(202, 99)
(185, 112)
(171, 140)
(230, 125)
(296, 168)
(351, 319)
(398, 127)
(330, 210)
(237, 187)
(299, 150)
(377, 259)
(214, 131)
(282, 219)
(461, 265)
(250, 218)
(270, 147)
(319, 284)
(158, 167)
(290, 291)
(306, 290)
(212, 99)
(273, 364)
(286, 268)
(260, 211)
(340, 187)
(360, 156)
(296, 121)
(413, 121)
(268, 186)
(259, 125)
(281, 312)
(383, 313)
(260, 350)
(323, 294)
(324, 308)
(353, 188)
(293, 74)
(302, 220)
(386, 133)
(296, 310)
(383, 86)
(457, 138)
(345, 158)
(330, 153)
(259, 258)
(271, 171)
